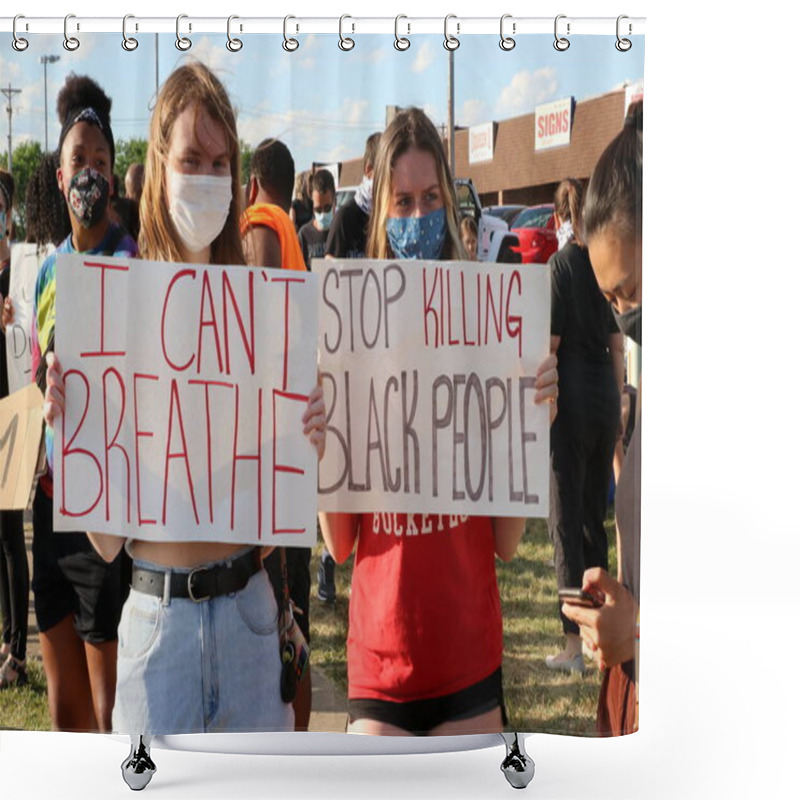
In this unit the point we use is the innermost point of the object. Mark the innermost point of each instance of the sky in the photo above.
(321, 101)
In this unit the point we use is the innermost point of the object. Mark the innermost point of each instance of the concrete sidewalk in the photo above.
(328, 703)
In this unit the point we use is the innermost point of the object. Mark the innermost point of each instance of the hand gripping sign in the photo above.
(429, 370)
(185, 389)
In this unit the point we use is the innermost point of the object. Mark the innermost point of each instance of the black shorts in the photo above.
(421, 716)
(298, 570)
(69, 578)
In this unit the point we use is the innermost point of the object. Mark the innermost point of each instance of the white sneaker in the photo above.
(561, 662)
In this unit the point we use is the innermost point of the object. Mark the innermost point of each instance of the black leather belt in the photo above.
(203, 582)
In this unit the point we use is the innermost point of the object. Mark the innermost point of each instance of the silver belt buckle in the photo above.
(192, 597)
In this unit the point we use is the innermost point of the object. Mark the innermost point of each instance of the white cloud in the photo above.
(354, 111)
(215, 57)
(424, 57)
(473, 112)
(527, 90)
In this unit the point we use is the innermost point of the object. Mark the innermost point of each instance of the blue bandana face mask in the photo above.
(417, 237)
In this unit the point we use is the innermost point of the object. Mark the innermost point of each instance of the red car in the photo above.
(536, 229)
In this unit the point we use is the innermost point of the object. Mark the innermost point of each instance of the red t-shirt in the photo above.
(425, 616)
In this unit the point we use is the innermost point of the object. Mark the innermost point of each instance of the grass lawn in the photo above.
(25, 708)
(537, 699)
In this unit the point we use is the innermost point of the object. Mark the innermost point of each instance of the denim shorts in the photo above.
(209, 667)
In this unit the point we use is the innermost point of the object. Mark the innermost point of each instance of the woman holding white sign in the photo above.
(199, 646)
(425, 641)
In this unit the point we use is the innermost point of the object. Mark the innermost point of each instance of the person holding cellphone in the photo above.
(612, 220)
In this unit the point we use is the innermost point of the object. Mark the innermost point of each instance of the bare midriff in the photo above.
(185, 554)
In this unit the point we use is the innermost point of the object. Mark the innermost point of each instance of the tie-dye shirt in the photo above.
(44, 309)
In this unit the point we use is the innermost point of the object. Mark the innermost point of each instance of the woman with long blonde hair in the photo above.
(180, 661)
(425, 642)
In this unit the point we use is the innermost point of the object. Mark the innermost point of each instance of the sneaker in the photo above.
(13, 673)
(326, 577)
(564, 663)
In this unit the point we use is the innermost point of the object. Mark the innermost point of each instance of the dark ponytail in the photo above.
(568, 204)
(614, 196)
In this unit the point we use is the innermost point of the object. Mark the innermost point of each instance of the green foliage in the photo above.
(247, 155)
(128, 151)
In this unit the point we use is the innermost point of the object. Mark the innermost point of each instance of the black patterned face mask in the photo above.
(88, 196)
(630, 323)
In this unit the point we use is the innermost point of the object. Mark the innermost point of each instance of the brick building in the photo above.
(517, 171)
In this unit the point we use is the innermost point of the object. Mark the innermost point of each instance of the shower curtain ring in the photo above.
(400, 42)
(345, 43)
(451, 42)
(289, 45)
(19, 44)
(233, 44)
(623, 45)
(128, 42)
(507, 42)
(71, 43)
(561, 43)
(183, 43)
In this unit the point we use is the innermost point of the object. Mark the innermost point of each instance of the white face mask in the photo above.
(198, 207)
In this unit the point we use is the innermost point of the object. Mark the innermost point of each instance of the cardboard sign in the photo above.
(25, 262)
(185, 390)
(20, 445)
(429, 370)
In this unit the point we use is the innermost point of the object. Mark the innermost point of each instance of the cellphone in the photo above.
(578, 597)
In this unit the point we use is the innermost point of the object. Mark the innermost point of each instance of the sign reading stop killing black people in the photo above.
(185, 390)
(428, 369)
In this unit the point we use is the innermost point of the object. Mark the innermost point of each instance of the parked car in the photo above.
(507, 213)
(535, 228)
(495, 241)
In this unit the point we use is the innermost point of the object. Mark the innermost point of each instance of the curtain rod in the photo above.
(402, 25)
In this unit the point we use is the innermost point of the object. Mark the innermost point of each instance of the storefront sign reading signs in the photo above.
(553, 124)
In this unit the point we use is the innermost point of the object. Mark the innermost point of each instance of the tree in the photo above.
(247, 155)
(128, 151)
(25, 158)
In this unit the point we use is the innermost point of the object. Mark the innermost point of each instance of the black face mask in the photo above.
(630, 323)
(88, 196)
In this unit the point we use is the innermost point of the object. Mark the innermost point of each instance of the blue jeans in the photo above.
(186, 667)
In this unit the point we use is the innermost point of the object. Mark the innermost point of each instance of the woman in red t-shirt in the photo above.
(425, 642)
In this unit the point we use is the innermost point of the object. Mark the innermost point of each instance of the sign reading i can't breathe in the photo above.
(429, 371)
(185, 390)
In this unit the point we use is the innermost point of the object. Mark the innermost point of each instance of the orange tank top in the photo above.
(274, 217)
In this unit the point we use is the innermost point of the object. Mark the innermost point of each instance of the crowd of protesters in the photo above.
(424, 656)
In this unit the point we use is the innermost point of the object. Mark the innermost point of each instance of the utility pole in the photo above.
(451, 127)
(45, 60)
(9, 93)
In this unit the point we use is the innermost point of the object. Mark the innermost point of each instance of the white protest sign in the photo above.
(185, 391)
(25, 262)
(429, 370)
